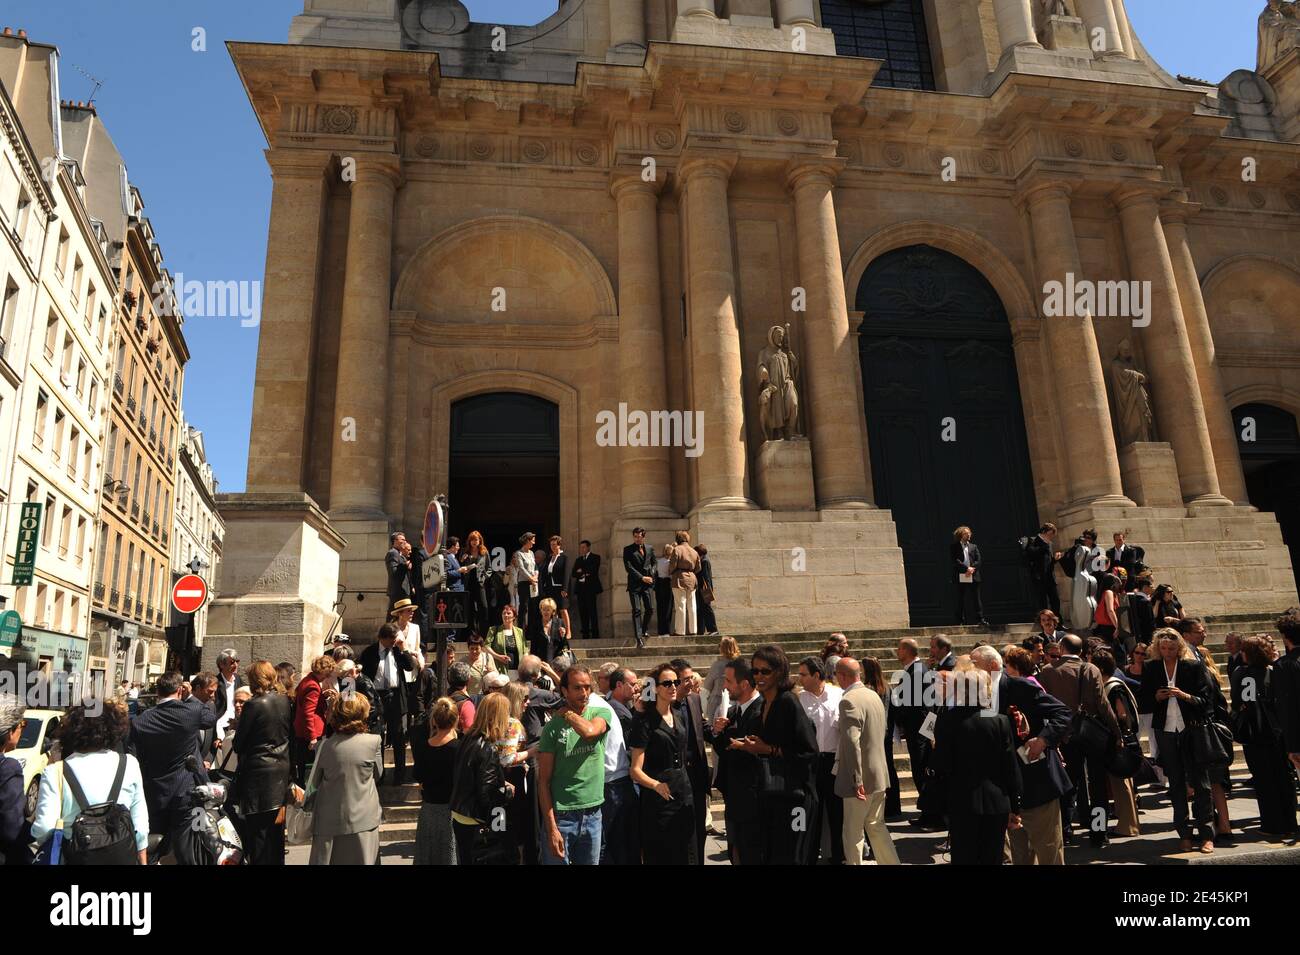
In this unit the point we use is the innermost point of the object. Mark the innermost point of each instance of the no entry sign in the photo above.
(188, 593)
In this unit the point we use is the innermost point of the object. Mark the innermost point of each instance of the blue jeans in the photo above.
(580, 829)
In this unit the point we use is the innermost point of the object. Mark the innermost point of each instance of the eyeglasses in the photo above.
(761, 671)
(670, 682)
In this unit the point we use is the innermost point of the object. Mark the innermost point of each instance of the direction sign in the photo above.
(189, 593)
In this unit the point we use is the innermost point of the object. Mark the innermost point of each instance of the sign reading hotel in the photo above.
(29, 529)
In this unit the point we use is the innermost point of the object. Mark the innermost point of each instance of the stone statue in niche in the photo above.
(1279, 32)
(1132, 399)
(1055, 8)
(778, 397)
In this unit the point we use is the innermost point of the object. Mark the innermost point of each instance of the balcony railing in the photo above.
(165, 535)
(121, 503)
(135, 510)
(145, 523)
(144, 422)
(130, 405)
(153, 436)
(171, 462)
(118, 384)
(114, 596)
(155, 528)
(139, 608)
(99, 590)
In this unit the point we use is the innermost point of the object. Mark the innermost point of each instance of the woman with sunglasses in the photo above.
(657, 748)
(14, 831)
(787, 744)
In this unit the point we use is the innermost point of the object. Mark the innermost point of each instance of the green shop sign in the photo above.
(11, 628)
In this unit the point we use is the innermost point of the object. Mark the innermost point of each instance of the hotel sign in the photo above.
(29, 529)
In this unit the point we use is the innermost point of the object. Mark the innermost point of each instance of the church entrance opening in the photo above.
(505, 469)
(1269, 442)
(946, 428)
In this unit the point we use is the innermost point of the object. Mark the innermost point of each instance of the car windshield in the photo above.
(31, 733)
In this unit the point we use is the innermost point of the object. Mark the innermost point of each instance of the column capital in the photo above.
(298, 163)
(1037, 191)
(823, 170)
(382, 167)
(629, 182)
(1138, 194)
(716, 164)
(1178, 209)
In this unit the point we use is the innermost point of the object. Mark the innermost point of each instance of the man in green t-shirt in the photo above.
(571, 774)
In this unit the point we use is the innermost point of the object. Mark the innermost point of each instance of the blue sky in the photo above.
(183, 123)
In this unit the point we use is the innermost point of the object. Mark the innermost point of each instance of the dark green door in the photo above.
(946, 428)
(1269, 443)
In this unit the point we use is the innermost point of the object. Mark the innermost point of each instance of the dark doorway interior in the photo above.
(1269, 443)
(505, 468)
(936, 345)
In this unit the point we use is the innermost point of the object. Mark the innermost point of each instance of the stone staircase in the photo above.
(401, 804)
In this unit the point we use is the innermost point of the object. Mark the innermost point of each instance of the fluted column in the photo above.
(793, 12)
(645, 474)
(357, 468)
(1218, 416)
(627, 24)
(282, 397)
(714, 334)
(1177, 398)
(837, 445)
(1092, 461)
(1015, 23)
(1101, 15)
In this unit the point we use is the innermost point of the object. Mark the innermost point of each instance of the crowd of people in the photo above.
(671, 586)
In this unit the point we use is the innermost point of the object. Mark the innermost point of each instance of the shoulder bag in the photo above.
(1088, 732)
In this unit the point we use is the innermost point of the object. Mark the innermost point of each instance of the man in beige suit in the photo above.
(861, 773)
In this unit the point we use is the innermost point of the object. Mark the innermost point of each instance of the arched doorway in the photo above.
(1269, 442)
(946, 427)
(505, 468)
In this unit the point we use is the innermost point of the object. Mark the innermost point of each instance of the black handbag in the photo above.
(1210, 744)
(1087, 732)
(1250, 724)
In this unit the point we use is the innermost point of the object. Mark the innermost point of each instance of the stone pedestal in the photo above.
(785, 475)
(1066, 33)
(1150, 474)
(279, 579)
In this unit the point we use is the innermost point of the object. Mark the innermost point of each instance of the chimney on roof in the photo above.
(23, 34)
(9, 31)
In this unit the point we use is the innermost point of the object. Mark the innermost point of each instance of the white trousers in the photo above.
(867, 816)
(684, 611)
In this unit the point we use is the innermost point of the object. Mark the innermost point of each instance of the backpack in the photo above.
(102, 834)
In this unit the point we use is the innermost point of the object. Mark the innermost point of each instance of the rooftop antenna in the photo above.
(94, 79)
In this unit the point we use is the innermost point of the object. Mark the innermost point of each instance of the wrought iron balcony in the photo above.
(130, 405)
(114, 596)
(99, 590)
(118, 384)
(135, 510)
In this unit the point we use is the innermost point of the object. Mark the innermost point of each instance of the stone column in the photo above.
(1177, 393)
(1218, 417)
(1101, 15)
(282, 396)
(627, 24)
(793, 12)
(695, 8)
(1015, 23)
(716, 365)
(357, 468)
(646, 476)
(828, 368)
(1092, 463)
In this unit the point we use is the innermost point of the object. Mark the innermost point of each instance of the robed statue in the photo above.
(1132, 400)
(778, 397)
(1279, 32)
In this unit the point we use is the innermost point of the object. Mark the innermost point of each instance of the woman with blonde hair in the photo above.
(261, 745)
(479, 788)
(435, 843)
(554, 640)
(715, 696)
(343, 791)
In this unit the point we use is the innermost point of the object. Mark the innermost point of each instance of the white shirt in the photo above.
(617, 764)
(824, 711)
(965, 554)
(744, 707)
(229, 714)
(386, 675)
(661, 567)
(411, 640)
(1174, 714)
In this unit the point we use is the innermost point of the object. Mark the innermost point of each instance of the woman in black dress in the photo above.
(787, 748)
(704, 607)
(657, 748)
(474, 573)
(262, 781)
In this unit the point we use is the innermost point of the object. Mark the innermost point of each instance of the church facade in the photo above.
(817, 281)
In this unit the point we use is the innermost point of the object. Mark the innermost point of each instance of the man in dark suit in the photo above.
(622, 697)
(697, 760)
(639, 562)
(1041, 557)
(203, 688)
(164, 739)
(941, 656)
(1040, 840)
(1128, 557)
(398, 566)
(587, 586)
(1285, 691)
(909, 706)
(1080, 687)
(965, 556)
(386, 662)
(737, 777)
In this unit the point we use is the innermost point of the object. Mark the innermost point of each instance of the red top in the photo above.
(308, 723)
(1103, 616)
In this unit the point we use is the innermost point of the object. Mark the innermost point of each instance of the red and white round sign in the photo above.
(189, 593)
